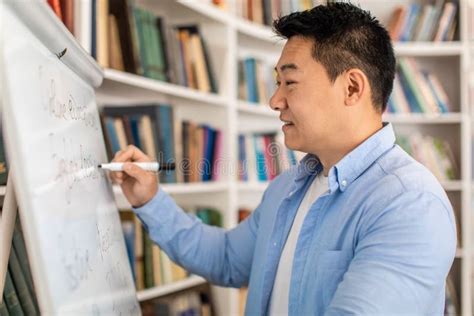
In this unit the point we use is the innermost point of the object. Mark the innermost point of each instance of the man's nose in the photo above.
(278, 100)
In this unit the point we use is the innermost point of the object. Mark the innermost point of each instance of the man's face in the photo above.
(310, 105)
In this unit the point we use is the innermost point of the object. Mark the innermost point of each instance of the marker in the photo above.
(147, 166)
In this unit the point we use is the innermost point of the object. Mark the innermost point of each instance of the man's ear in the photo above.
(356, 85)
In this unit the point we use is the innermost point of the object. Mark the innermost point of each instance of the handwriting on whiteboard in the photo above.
(63, 105)
(75, 259)
(73, 164)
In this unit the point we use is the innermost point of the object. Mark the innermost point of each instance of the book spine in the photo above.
(24, 295)
(11, 297)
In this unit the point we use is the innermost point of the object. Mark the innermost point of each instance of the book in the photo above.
(67, 9)
(102, 33)
(56, 7)
(11, 298)
(20, 250)
(24, 295)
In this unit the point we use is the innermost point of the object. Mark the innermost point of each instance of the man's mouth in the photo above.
(287, 123)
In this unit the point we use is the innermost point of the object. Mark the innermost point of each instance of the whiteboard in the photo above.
(55, 142)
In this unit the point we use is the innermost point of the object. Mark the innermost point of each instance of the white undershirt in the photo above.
(281, 287)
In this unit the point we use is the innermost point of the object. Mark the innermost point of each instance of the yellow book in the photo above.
(115, 50)
(120, 131)
(102, 22)
(157, 265)
(197, 53)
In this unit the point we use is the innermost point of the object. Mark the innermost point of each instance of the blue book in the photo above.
(242, 159)
(415, 107)
(209, 143)
(260, 158)
(134, 121)
(251, 79)
(165, 127)
(111, 133)
(128, 228)
(94, 30)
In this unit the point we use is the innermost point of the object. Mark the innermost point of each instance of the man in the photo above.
(359, 227)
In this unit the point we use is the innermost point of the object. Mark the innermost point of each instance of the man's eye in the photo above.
(278, 83)
(289, 82)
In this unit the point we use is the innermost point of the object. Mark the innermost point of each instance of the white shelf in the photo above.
(253, 186)
(428, 48)
(424, 118)
(453, 185)
(256, 109)
(175, 189)
(257, 31)
(166, 88)
(209, 10)
(3, 190)
(166, 289)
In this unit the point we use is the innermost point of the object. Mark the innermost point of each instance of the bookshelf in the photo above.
(230, 38)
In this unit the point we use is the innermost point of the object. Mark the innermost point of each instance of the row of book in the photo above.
(122, 36)
(137, 41)
(262, 157)
(150, 265)
(265, 11)
(430, 22)
(416, 90)
(196, 149)
(19, 296)
(434, 153)
(256, 80)
(192, 302)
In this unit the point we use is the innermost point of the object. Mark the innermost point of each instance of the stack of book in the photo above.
(431, 22)
(416, 90)
(150, 265)
(265, 11)
(262, 157)
(434, 153)
(195, 148)
(19, 296)
(256, 80)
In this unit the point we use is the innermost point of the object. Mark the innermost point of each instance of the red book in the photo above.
(56, 6)
(268, 152)
(67, 10)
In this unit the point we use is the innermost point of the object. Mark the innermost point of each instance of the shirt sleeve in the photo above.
(401, 260)
(222, 257)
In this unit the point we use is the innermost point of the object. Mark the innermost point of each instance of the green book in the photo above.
(3, 309)
(20, 249)
(22, 291)
(11, 299)
(148, 260)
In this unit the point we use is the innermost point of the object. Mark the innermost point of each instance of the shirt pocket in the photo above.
(332, 265)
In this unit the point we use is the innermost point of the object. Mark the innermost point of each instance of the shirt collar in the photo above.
(349, 168)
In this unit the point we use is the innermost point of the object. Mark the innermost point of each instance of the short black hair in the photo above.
(345, 37)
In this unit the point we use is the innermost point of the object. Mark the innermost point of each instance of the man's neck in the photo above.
(332, 156)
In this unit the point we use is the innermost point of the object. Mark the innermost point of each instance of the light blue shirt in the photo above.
(380, 242)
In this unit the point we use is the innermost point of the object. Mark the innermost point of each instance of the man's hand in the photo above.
(139, 186)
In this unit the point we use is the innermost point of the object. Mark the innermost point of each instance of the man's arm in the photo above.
(223, 257)
(401, 259)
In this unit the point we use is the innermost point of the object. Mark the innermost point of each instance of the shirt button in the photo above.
(275, 244)
(344, 183)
